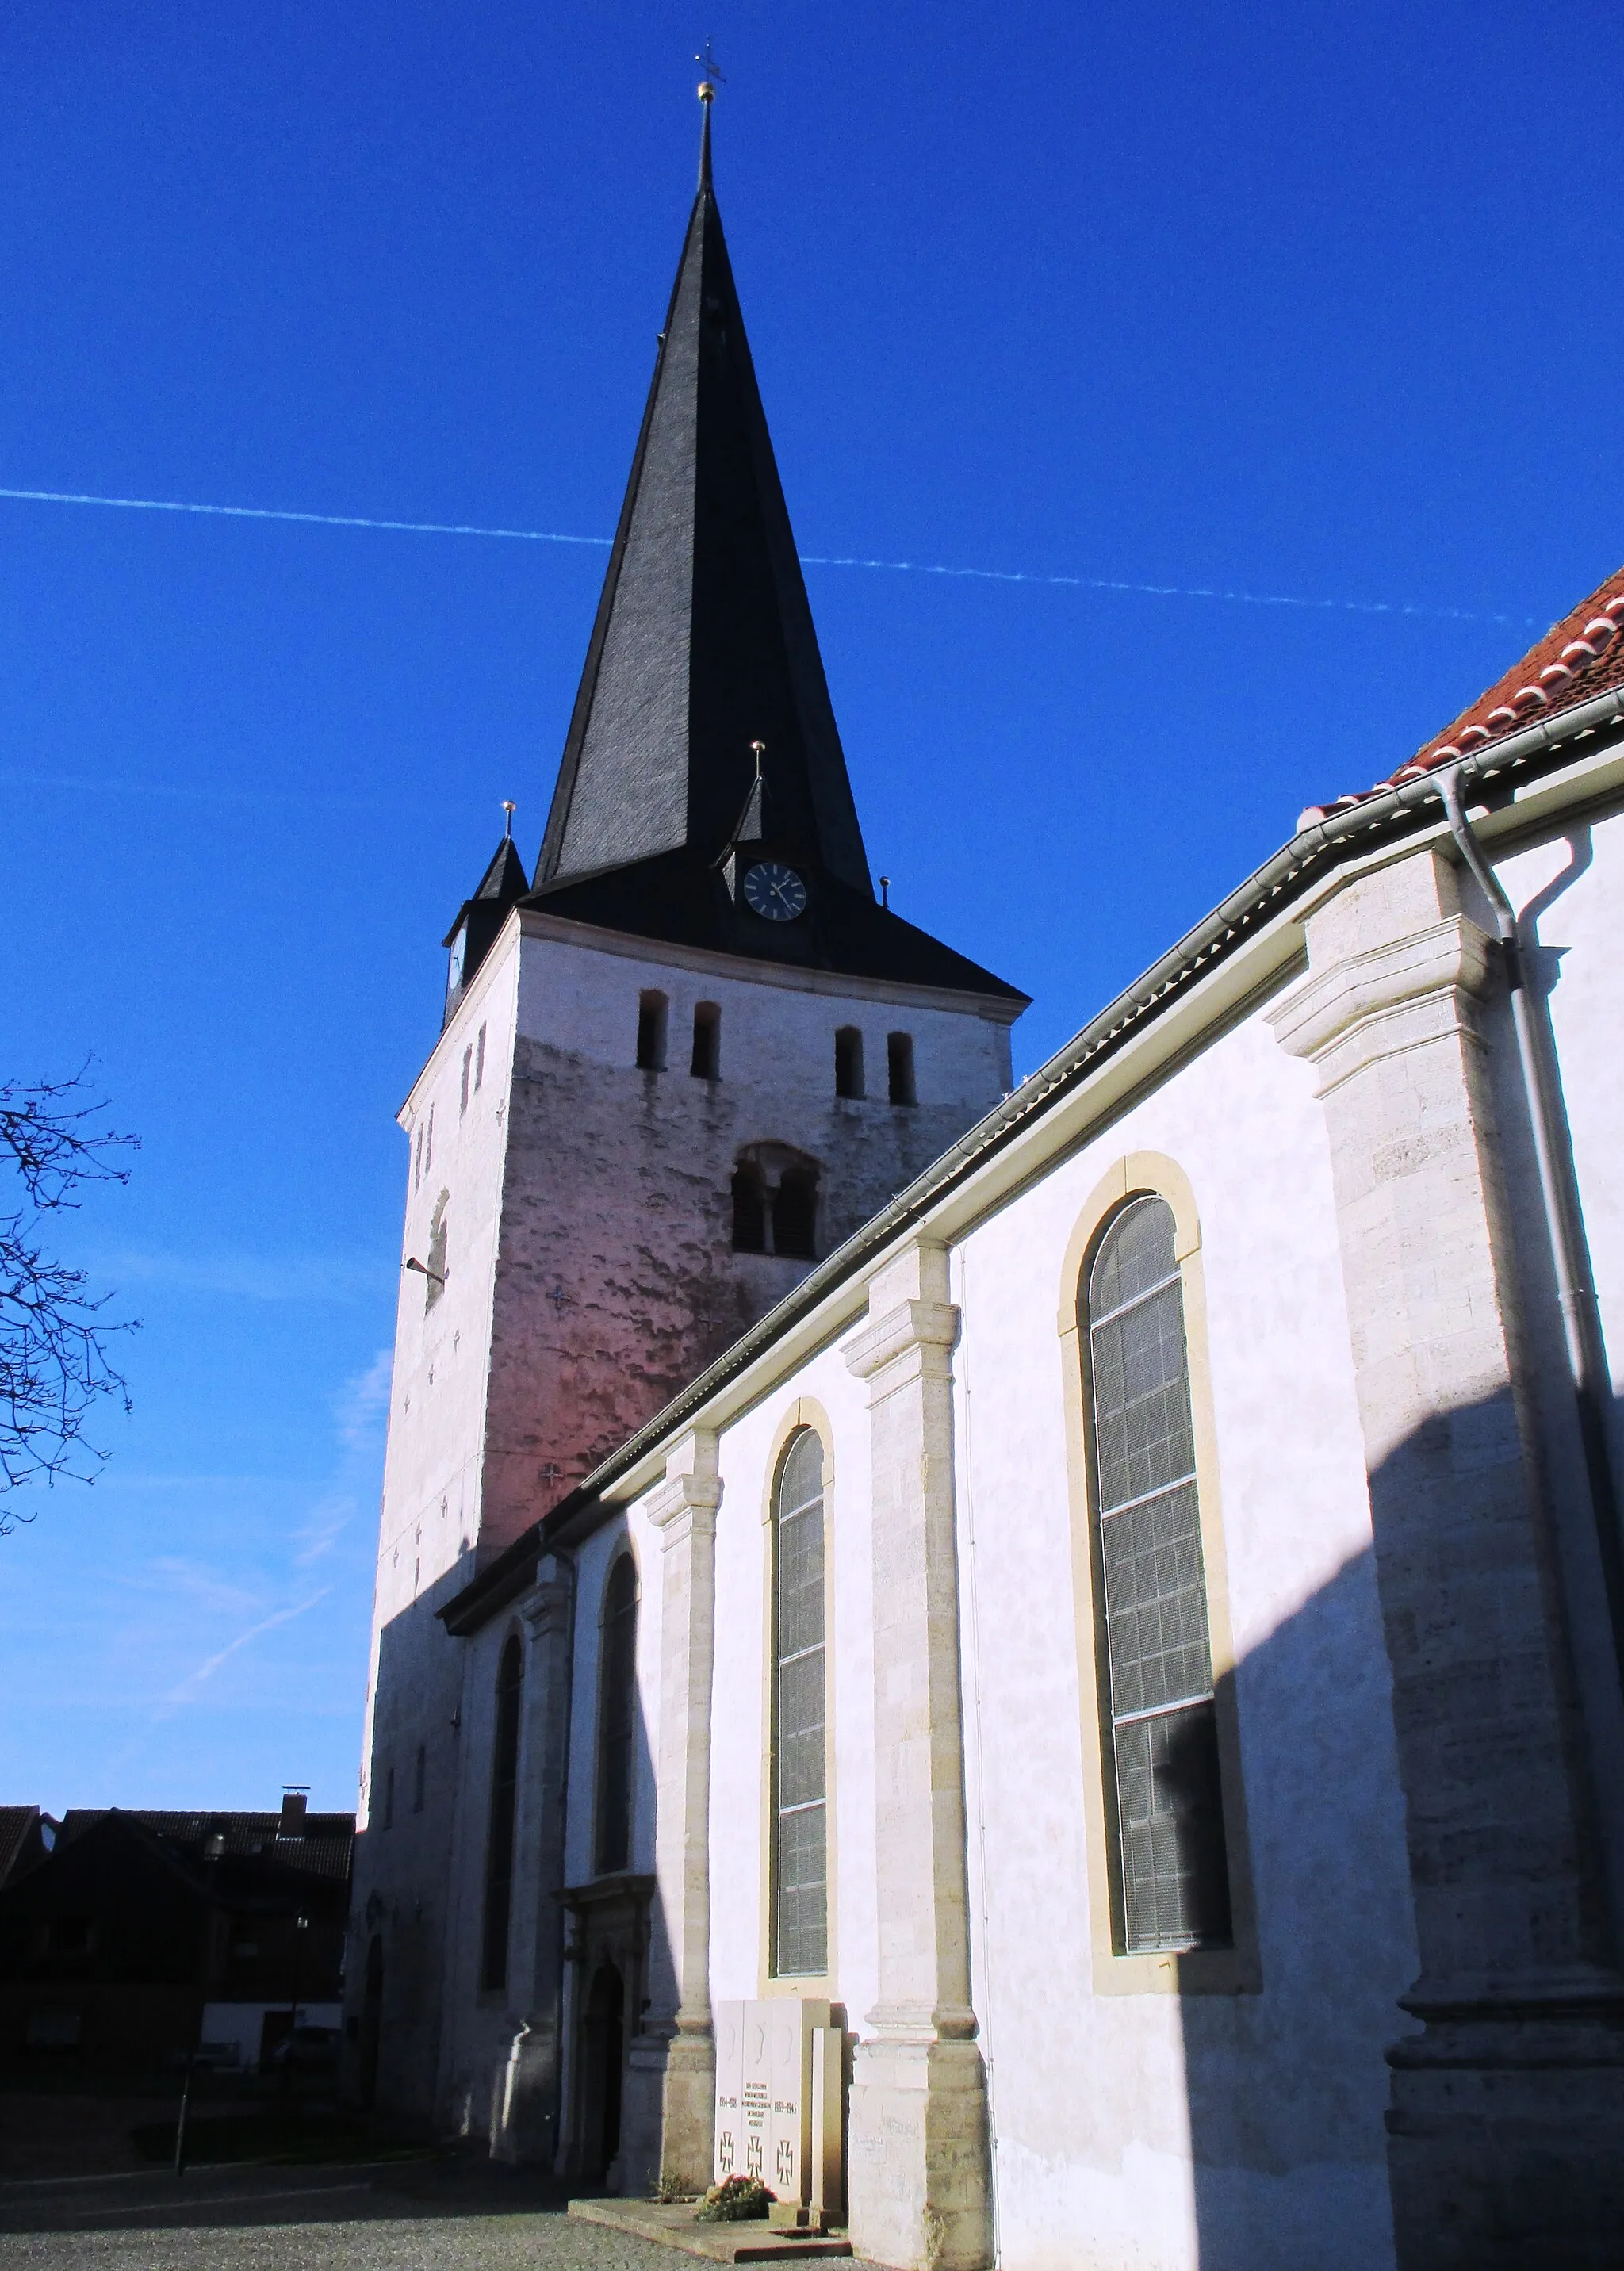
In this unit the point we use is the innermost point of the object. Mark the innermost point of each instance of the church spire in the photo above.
(704, 642)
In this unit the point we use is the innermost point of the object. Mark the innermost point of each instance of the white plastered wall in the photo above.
(1100, 2105)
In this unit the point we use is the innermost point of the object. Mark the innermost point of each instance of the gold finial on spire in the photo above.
(510, 808)
(708, 85)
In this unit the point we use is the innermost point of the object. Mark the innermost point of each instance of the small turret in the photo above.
(478, 919)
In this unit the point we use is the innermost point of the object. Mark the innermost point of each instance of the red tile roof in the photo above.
(1582, 656)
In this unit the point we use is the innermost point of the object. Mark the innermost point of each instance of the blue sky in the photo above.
(1314, 305)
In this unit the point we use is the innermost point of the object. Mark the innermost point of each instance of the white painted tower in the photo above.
(680, 1064)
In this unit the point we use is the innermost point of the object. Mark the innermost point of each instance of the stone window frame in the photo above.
(804, 1411)
(624, 1551)
(1237, 1970)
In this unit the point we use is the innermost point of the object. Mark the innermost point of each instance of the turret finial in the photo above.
(510, 808)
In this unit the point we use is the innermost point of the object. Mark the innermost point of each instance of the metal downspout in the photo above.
(1558, 1194)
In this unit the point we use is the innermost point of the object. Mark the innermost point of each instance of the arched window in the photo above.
(775, 1202)
(800, 1760)
(1172, 1874)
(503, 1800)
(617, 1708)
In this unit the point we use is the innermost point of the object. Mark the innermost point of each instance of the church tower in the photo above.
(682, 1063)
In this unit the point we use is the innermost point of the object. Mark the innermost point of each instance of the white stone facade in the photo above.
(1420, 1728)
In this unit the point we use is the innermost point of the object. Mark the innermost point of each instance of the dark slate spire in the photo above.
(704, 642)
(702, 741)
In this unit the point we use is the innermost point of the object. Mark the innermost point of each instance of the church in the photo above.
(1093, 1610)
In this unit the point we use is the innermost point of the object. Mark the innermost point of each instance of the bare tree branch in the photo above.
(54, 1332)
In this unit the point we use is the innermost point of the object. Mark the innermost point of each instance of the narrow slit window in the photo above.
(479, 1061)
(1172, 1873)
(389, 1798)
(849, 1062)
(800, 1742)
(899, 1068)
(417, 1165)
(617, 1710)
(420, 1779)
(651, 1009)
(467, 1076)
(706, 1063)
(503, 1808)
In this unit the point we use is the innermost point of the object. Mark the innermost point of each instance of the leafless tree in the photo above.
(53, 1332)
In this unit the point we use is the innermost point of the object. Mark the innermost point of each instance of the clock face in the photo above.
(774, 891)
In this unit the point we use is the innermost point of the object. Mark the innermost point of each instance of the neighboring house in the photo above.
(26, 1838)
(1135, 1623)
(144, 1936)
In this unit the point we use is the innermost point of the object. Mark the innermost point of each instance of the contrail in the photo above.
(1244, 599)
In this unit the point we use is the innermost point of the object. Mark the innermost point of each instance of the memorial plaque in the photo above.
(755, 2095)
(728, 2019)
(793, 2021)
(824, 2129)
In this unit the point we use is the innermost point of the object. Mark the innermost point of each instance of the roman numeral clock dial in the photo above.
(774, 891)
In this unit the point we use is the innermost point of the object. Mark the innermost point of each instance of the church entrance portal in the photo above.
(603, 2049)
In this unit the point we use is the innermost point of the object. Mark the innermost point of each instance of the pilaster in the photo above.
(528, 2101)
(1505, 2144)
(669, 2114)
(918, 2178)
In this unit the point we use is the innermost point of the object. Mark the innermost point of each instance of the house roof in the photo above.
(323, 1849)
(1578, 658)
(19, 1838)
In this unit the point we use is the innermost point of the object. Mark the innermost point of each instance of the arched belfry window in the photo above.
(1172, 1875)
(617, 1720)
(504, 1803)
(799, 1752)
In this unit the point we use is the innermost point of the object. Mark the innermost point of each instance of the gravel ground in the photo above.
(420, 2217)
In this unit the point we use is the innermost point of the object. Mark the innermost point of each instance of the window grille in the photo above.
(617, 1705)
(1172, 1878)
(799, 1762)
(503, 1804)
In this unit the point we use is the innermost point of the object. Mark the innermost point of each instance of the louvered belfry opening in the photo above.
(1173, 1876)
(800, 1757)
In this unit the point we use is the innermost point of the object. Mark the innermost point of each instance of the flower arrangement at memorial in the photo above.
(736, 2200)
